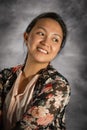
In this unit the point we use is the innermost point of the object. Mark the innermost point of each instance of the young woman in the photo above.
(33, 96)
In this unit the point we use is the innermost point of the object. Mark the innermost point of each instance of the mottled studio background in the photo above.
(72, 61)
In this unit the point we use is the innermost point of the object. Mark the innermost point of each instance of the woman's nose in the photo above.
(45, 41)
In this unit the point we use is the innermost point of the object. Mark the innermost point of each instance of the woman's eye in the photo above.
(40, 33)
(55, 40)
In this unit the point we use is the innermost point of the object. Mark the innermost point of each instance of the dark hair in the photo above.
(53, 16)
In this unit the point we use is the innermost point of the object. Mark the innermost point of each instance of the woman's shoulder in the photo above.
(11, 68)
(56, 75)
(7, 72)
(51, 76)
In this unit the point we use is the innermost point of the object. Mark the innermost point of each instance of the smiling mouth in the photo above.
(42, 50)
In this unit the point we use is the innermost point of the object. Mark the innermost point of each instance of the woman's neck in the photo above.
(32, 67)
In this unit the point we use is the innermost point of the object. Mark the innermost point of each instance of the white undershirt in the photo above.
(16, 104)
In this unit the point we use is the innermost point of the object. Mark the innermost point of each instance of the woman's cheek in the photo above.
(55, 49)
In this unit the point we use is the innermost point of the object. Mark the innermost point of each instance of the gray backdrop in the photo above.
(71, 62)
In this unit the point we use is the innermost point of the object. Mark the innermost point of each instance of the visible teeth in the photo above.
(41, 50)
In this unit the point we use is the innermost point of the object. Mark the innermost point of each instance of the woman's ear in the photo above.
(25, 37)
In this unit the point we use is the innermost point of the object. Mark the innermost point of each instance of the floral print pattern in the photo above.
(51, 95)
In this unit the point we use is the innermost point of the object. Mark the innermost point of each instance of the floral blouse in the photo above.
(46, 110)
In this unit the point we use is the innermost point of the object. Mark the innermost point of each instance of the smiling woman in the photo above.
(33, 96)
(44, 41)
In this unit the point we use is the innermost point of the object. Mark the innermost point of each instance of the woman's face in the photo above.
(44, 40)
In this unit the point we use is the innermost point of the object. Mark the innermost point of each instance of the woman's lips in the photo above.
(42, 50)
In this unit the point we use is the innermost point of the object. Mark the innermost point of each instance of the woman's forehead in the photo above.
(45, 20)
(49, 23)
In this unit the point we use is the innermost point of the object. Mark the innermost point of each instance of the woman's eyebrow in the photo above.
(40, 27)
(58, 35)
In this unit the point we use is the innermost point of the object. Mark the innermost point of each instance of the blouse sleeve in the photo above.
(5, 74)
(50, 102)
(2, 80)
